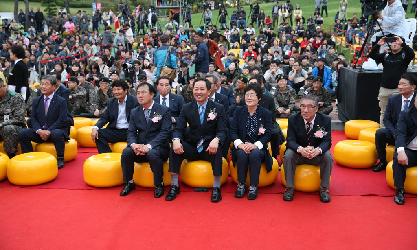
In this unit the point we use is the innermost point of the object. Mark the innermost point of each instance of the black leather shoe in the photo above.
(127, 188)
(288, 194)
(399, 197)
(159, 191)
(379, 167)
(172, 194)
(60, 162)
(239, 193)
(216, 195)
(324, 196)
(252, 193)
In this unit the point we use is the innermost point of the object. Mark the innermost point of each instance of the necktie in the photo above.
(164, 103)
(46, 105)
(308, 127)
(147, 113)
(405, 105)
(201, 113)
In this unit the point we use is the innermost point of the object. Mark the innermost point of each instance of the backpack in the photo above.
(153, 18)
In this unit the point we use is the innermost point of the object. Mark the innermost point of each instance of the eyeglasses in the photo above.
(302, 106)
(250, 95)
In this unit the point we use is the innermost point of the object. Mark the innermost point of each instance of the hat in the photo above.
(200, 33)
(105, 79)
(280, 77)
(317, 79)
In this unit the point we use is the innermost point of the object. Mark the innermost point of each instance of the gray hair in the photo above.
(312, 98)
(51, 78)
(215, 76)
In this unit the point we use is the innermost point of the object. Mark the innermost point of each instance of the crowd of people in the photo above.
(201, 89)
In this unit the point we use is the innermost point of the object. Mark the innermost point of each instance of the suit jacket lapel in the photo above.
(209, 106)
(244, 115)
(171, 102)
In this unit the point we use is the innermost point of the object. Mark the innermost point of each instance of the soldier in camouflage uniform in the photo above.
(12, 118)
(104, 93)
(240, 84)
(324, 97)
(77, 100)
(284, 98)
(91, 93)
(187, 91)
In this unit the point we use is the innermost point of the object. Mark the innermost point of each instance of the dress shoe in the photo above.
(11, 155)
(216, 195)
(60, 162)
(239, 193)
(252, 193)
(379, 167)
(324, 196)
(159, 191)
(399, 197)
(172, 194)
(127, 188)
(288, 194)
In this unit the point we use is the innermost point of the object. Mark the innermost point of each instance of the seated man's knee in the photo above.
(25, 134)
(128, 151)
(328, 157)
(57, 134)
(289, 154)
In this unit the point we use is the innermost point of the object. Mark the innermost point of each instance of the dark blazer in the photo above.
(223, 100)
(239, 130)
(296, 132)
(406, 127)
(56, 117)
(19, 76)
(111, 114)
(63, 91)
(176, 103)
(228, 93)
(196, 131)
(393, 109)
(155, 133)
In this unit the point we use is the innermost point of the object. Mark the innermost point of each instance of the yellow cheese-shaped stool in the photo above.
(94, 121)
(70, 152)
(355, 154)
(390, 152)
(284, 130)
(200, 174)
(410, 184)
(80, 122)
(19, 150)
(144, 177)
(73, 132)
(264, 178)
(118, 147)
(368, 134)
(103, 170)
(307, 178)
(283, 122)
(4, 160)
(353, 127)
(32, 168)
(84, 137)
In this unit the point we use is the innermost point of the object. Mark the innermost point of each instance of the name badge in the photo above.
(6, 118)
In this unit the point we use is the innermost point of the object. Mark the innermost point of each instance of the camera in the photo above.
(390, 39)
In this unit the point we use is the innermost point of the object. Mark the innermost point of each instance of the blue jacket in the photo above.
(202, 58)
(159, 59)
(327, 79)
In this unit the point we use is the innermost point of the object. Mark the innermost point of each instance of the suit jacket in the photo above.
(296, 132)
(196, 131)
(155, 132)
(19, 76)
(223, 100)
(176, 103)
(56, 118)
(228, 93)
(111, 114)
(63, 91)
(239, 130)
(406, 127)
(393, 109)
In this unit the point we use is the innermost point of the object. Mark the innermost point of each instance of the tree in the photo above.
(51, 7)
(67, 6)
(16, 10)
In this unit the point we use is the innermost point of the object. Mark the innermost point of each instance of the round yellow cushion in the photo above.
(94, 121)
(32, 168)
(200, 174)
(368, 134)
(264, 178)
(307, 178)
(80, 122)
(390, 152)
(284, 130)
(118, 147)
(355, 154)
(4, 160)
(73, 132)
(410, 184)
(103, 170)
(144, 177)
(70, 152)
(84, 137)
(283, 122)
(353, 127)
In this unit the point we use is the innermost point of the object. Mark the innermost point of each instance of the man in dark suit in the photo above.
(406, 150)
(18, 78)
(117, 116)
(396, 104)
(48, 119)
(214, 95)
(166, 98)
(148, 139)
(202, 139)
(308, 142)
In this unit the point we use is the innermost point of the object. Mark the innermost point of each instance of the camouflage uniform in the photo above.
(187, 94)
(240, 94)
(78, 101)
(285, 99)
(12, 120)
(323, 96)
(102, 99)
(91, 97)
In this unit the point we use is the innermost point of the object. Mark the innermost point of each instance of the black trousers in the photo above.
(155, 157)
(250, 161)
(57, 137)
(108, 135)
(383, 136)
(275, 144)
(399, 171)
(324, 8)
(190, 153)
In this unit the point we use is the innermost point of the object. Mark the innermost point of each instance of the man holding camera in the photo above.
(395, 63)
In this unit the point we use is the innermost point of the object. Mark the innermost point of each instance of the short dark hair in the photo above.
(151, 87)
(18, 51)
(164, 38)
(51, 78)
(411, 78)
(199, 79)
(163, 77)
(120, 83)
(257, 89)
(260, 79)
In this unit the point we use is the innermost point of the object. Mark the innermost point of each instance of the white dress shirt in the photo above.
(122, 121)
(167, 100)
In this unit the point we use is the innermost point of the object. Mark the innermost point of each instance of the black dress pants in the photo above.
(108, 135)
(382, 138)
(57, 137)
(399, 171)
(251, 161)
